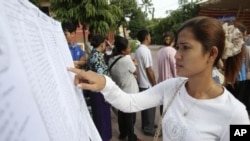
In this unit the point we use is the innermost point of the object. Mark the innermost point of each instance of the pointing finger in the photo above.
(74, 70)
(79, 77)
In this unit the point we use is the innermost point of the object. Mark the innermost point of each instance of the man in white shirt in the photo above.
(145, 78)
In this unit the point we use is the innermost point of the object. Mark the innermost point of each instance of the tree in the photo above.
(151, 26)
(147, 5)
(128, 7)
(137, 22)
(98, 15)
(174, 21)
(182, 2)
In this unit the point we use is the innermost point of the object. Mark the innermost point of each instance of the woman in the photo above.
(201, 109)
(100, 108)
(240, 89)
(122, 71)
(166, 59)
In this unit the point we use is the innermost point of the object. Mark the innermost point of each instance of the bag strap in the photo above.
(109, 69)
(157, 133)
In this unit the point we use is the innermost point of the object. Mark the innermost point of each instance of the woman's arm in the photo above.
(114, 95)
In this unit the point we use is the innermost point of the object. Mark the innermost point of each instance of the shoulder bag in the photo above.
(158, 131)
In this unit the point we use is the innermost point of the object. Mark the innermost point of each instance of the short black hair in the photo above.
(142, 34)
(97, 40)
(69, 27)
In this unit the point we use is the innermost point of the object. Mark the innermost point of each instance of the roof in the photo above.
(225, 4)
(240, 9)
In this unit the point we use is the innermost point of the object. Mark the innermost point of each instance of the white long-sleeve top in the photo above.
(205, 120)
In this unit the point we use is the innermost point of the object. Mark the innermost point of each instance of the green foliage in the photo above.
(133, 45)
(174, 21)
(147, 5)
(136, 15)
(137, 23)
(182, 2)
(128, 7)
(151, 26)
(97, 14)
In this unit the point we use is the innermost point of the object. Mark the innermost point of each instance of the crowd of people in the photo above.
(202, 88)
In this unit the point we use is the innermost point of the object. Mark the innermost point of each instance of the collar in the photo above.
(72, 45)
(95, 50)
(142, 45)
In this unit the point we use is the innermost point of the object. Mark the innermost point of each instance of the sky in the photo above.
(161, 6)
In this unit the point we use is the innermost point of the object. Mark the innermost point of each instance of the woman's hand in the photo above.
(88, 80)
(76, 64)
(109, 44)
(135, 61)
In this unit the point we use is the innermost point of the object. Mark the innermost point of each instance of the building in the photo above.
(227, 10)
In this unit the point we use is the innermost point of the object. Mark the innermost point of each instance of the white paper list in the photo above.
(39, 102)
(19, 115)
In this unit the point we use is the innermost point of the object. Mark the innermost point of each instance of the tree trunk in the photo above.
(124, 32)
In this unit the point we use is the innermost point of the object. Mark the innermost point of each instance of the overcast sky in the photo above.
(161, 6)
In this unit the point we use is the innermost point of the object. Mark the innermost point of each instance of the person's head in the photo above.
(144, 37)
(200, 45)
(247, 40)
(233, 64)
(169, 38)
(121, 46)
(98, 42)
(69, 30)
(242, 28)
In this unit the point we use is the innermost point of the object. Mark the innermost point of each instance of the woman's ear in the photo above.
(213, 53)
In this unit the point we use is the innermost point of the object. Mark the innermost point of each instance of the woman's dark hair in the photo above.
(168, 38)
(237, 59)
(120, 44)
(97, 40)
(240, 26)
(209, 32)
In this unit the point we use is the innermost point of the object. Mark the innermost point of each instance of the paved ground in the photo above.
(138, 130)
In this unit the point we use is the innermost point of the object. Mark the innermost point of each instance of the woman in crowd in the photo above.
(123, 70)
(166, 59)
(100, 108)
(240, 89)
(196, 108)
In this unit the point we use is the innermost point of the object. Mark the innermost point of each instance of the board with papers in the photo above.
(38, 101)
